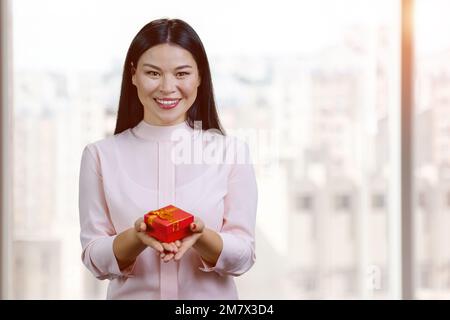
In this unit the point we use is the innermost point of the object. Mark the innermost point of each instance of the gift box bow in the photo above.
(164, 213)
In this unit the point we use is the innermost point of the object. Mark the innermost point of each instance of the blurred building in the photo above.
(55, 116)
(432, 173)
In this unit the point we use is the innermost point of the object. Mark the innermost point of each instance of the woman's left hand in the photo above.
(184, 244)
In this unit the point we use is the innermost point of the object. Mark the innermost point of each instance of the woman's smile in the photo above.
(167, 103)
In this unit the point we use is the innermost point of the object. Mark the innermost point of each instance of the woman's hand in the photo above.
(184, 244)
(165, 250)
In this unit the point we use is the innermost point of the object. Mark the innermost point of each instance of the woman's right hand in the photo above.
(166, 251)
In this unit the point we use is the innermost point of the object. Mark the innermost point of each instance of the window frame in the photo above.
(5, 147)
(408, 268)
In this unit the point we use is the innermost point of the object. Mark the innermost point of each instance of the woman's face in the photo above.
(166, 79)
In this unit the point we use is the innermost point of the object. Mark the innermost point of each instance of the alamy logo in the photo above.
(241, 146)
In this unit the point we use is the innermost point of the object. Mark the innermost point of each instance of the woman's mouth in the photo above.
(167, 104)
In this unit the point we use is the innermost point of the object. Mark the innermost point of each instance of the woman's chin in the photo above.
(170, 121)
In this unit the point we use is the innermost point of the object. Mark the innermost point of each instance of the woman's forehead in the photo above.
(167, 55)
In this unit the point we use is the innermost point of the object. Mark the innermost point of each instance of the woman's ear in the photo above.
(133, 74)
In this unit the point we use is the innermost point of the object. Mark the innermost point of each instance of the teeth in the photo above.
(167, 102)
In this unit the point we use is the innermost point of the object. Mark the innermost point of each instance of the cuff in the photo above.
(229, 261)
(105, 260)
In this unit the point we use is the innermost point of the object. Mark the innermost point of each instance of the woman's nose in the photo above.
(167, 85)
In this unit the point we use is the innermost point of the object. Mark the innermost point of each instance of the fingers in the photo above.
(186, 244)
(140, 225)
(157, 246)
(150, 241)
(170, 247)
(180, 253)
(166, 257)
(160, 247)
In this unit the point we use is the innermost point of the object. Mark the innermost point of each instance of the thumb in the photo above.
(139, 225)
(197, 226)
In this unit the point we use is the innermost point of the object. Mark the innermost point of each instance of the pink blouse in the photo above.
(148, 167)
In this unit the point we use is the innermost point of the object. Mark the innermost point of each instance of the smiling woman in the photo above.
(167, 93)
(166, 86)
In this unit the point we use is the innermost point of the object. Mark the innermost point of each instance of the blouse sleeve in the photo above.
(238, 229)
(97, 232)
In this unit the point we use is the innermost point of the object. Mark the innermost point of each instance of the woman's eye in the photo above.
(182, 74)
(152, 73)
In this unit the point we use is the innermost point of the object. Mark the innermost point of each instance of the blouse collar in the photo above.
(148, 131)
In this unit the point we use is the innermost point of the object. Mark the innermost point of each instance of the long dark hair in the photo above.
(177, 32)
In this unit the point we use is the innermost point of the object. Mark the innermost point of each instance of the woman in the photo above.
(166, 87)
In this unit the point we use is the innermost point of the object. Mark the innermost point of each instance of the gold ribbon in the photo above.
(165, 214)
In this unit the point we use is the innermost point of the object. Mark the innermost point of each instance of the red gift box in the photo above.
(168, 224)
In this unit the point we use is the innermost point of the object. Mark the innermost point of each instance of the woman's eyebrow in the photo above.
(158, 68)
